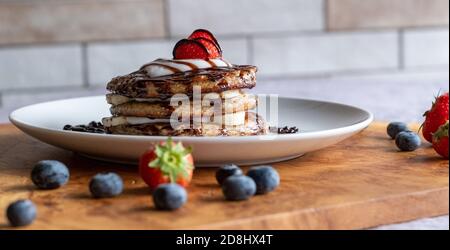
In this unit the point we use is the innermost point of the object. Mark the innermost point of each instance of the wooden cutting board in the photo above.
(359, 183)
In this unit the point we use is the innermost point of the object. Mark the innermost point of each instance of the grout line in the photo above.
(46, 89)
(84, 65)
(250, 50)
(224, 36)
(351, 73)
(401, 49)
(68, 43)
(425, 28)
(38, 45)
(326, 18)
(166, 13)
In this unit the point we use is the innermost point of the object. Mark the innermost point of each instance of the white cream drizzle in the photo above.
(163, 67)
(232, 119)
(116, 99)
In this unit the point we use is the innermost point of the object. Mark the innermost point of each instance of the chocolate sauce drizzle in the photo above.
(139, 85)
(192, 66)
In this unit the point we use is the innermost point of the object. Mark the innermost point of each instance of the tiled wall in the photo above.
(76, 45)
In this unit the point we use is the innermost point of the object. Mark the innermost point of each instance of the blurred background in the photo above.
(389, 56)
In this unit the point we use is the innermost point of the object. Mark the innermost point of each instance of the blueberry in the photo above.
(265, 177)
(238, 187)
(407, 141)
(396, 127)
(50, 174)
(21, 213)
(169, 196)
(227, 171)
(106, 185)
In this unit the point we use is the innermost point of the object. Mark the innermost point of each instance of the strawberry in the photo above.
(440, 140)
(167, 162)
(202, 33)
(435, 117)
(213, 50)
(190, 49)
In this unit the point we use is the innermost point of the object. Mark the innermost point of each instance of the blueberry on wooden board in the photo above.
(21, 213)
(266, 178)
(238, 188)
(408, 141)
(170, 196)
(227, 171)
(50, 174)
(106, 185)
(394, 128)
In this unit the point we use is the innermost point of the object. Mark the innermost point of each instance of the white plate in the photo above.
(321, 123)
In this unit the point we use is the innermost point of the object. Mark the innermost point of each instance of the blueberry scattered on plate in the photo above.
(106, 185)
(226, 171)
(50, 174)
(169, 196)
(21, 213)
(266, 178)
(238, 188)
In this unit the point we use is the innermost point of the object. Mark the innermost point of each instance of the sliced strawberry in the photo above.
(202, 33)
(190, 49)
(213, 50)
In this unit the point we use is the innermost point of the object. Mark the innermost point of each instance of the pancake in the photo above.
(238, 118)
(115, 99)
(254, 125)
(162, 109)
(139, 85)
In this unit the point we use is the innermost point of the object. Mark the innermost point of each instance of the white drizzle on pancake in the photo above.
(232, 119)
(163, 67)
(116, 99)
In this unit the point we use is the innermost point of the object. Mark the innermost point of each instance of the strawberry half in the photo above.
(202, 33)
(213, 50)
(435, 117)
(440, 140)
(190, 49)
(167, 162)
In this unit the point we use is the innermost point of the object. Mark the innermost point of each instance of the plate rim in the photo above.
(213, 139)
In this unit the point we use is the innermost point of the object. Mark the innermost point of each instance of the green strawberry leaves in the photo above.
(171, 160)
(441, 132)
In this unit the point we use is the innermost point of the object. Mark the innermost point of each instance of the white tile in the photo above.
(245, 16)
(112, 59)
(396, 96)
(109, 60)
(235, 50)
(80, 20)
(360, 14)
(44, 66)
(426, 48)
(325, 53)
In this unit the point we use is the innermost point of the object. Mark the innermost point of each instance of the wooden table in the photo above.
(359, 183)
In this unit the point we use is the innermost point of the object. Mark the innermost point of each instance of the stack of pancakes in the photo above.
(144, 105)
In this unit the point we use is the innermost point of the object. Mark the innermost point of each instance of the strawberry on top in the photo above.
(201, 44)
